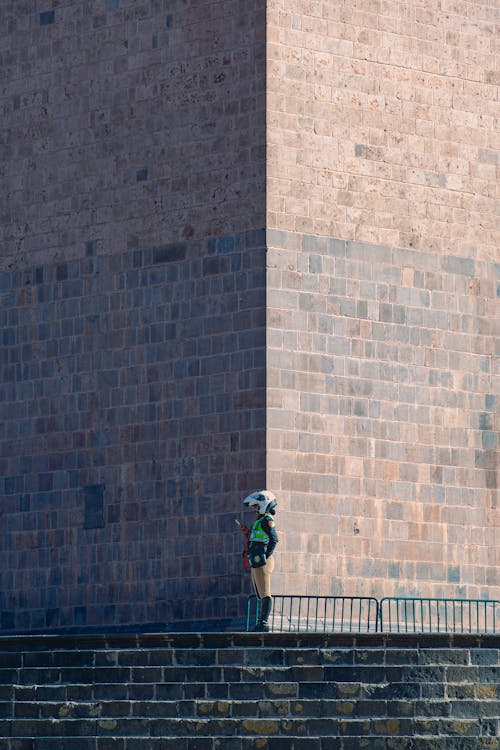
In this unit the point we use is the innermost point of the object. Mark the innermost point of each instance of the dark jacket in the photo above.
(270, 530)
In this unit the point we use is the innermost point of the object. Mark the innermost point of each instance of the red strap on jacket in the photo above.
(246, 564)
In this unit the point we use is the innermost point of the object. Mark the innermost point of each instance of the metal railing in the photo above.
(414, 615)
(324, 614)
(352, 614)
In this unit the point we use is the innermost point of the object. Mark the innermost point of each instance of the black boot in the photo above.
(265, 611)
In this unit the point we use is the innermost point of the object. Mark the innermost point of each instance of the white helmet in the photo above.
(264, 499)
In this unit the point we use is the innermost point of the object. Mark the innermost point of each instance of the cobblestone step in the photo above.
(288, 742)
(344, 709)
(278, 693)
(205, 709)
(323, 726)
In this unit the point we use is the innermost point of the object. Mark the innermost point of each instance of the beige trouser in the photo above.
(261, 578)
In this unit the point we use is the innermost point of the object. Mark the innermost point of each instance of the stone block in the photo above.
(444, 656)
(312, 690)
(47, 17)
(110, 743)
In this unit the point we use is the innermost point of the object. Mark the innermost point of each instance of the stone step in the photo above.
(250, 743)
(368, 674)
(205, 708)
(199, 656)
(223, 657)
(247, 692)
(251, 691)
(202, 708)
(249, 726)
(256, 691)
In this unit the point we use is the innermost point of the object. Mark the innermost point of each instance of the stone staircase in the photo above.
(243, 691)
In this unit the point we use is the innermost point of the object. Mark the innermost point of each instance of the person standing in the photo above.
(262, 540)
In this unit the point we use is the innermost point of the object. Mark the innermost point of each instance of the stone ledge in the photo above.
(237, 639)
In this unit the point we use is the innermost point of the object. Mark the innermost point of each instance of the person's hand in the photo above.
(242, 528)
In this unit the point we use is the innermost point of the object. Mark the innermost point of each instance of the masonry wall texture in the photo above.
(241, 691)
(382, 294)
(129, 122)
(245, 243)
(381, 418)
(133, 401)
(383, 122)
(133, 415)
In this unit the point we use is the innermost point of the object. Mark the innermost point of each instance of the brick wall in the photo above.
(132, 290)
(129, 121)
(133, 406)
(382, 419)
(383, 296)
(382, 122)
(241, 691)
(141, 333)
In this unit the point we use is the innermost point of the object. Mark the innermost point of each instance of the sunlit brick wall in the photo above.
(383, 122)
(383, 295)
(382, 418)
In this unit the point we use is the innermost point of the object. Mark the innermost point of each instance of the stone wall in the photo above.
(383, 295)
(133, 307)
(244, 691)
(382, 419)
(382, 122)
(129, 122)
(133, 422)
(153, 370)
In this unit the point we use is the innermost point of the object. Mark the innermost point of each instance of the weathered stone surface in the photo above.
(110, 395)
(245, 243)
(378, 133)
(269, 717)
(375, 447)
(143, 127)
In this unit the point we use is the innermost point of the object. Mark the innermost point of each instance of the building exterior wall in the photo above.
(129, 123)
(382, 419)
(133, 308)
(383, 296)
(133, 421)
(187, 317)
(383, 123)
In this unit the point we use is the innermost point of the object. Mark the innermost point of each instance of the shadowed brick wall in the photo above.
(132, 345)
(129, 123)
(133, 422)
